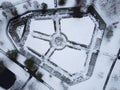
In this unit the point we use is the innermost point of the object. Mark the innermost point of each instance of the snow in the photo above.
(21, 75)
(114, 78)
(19, 9)
(19, 4)
(96, 82)
(1, 88)
(3, 37)
(108, 9)
(43, 26)
(21, 59)
(69, 59)
(34, 84)
(51, 80)
(13, 1)
(78, 30)
(113, 45)
(19, 30)
(38, 45)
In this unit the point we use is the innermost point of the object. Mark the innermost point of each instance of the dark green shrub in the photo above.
(30, 64)
(12, 54)
(9, 8)
(39, 76)
(62, 2)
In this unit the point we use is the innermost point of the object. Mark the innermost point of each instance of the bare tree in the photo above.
(44, 7)
(36, 5)
(62, 2)
(9, 9)
(27, 5)
(110, 7)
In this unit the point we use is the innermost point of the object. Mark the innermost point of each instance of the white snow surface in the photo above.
(78, 30)
(104, 61)
(69, 59)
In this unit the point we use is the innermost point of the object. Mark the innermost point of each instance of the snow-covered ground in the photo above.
(73, 28)
(38, 45)
(5, 42)
(115, 78)
(33, 84)
(51, 80)
(96, 82)
(69, 59)
(78, 30)
(43, 26)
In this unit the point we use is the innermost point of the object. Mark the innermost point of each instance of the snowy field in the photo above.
(78, 30)
(43, 26)
(69, 59)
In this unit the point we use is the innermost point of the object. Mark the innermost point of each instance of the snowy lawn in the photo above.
(69, 59)
(43, 26)
(78, 29)
(38, 45)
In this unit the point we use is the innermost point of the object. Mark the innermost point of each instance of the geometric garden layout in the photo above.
(59, 44)
(53, 46)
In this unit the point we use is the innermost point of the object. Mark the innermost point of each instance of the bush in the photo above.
(30, 64)
(62, 2)
(12, 54)
(39, 76)
(76, 13)
(44, 7)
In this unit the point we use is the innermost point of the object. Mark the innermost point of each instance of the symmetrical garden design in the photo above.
(44, 36)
